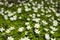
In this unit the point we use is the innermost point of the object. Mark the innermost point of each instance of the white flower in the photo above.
(53, 38)
(48, 3)
(1, 3)
(13, 18)
(52, 18)
(11, 28)
(35, 9)
(2, 10)
(28, 19)
(10, 38)
(46, 29)
(38, 15)
(46, 11)
(42, 10)
(51, 1)
(10, 5)
(2, 13)
(25, 38)
(46, 0)
(30, 15)
(8, 31)
(52, 32)
(18, 0)
(55, 23)
(20, 17)
(26, 32)
(7, 11)
(47, 36)
(37, 25)
(56, 5)
(11, 14)
(38, 5)
(33, 15)
(6, 3)
(25, 4)
(19, 10)
(53, 10)
(33, 4)
(27, 9)
(42, 14)
(53, 28)
(2, 29)
(29, 4)
(37, 31)
(5, 17)
(57, 14)
(21, 29)
(42, 2)
(27, 23)
(28, 27)
(31, 0)
(48, 15)
(36, 19)
(44, 22)
(58, 19)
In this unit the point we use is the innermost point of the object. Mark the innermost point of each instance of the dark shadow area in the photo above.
(58, 8)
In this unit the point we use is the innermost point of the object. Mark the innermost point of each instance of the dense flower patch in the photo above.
(31, 20)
